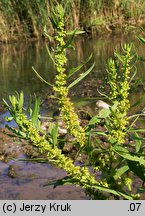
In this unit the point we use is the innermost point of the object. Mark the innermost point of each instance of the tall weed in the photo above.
(108, 151)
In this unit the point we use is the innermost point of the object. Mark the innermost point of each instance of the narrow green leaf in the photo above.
(61, 182)
(75, 69)
(28, 110)
(141, 39)
(81, 102)
(138, 169)
(136, 130)
(21, 101)
(94, 120)
(137, 138)
(77, 32)
(119, 56)
(35, 112)
(120, 172)
(141, 189)
(55, 134)
(39, 77)
(68, 180)
(6, 104)
(142, 29)
(38, 160)
(104, 113)
(81, 76)
(136, 115)
(127, 155)
(138, 143)
(53, 17)
(53, 22)
(134, 74)
(49, 53)
(16, 132)
(8, 119)
(100, 133)
(141, 99)
(46, 34)
(115, 192)
(13, 100)
(69, 41)
(51, 125)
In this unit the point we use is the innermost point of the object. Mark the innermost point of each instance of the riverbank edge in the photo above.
(111, 29)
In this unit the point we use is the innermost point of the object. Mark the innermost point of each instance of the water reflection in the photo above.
(16, 73)
(16, 61)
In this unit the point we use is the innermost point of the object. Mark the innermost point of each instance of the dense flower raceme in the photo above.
(65, 105)
(81, 175)
(119, 91)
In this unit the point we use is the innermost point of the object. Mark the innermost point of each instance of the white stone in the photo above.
(102, 104)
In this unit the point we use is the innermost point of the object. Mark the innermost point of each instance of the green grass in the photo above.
(24, 19)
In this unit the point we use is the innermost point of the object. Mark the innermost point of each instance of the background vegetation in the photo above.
(25, 19)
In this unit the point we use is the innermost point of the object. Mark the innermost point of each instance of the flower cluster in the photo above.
(65, 105)
(119, 90)
(81, 176)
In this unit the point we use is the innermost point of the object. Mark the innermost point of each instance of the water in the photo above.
(16, 68)
(16, 61)
(28, 184)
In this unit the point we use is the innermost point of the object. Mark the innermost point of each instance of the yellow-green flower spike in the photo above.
(65, 105)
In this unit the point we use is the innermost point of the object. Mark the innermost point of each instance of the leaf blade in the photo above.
(127, 155)
(75, 69)
(81, 77)
(121, 171)
(41, 78)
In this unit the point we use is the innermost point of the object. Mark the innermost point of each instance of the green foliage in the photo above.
(137, 169)
(120, 172)
(82, 76)
(119, 71)
(60, 87)
(34, 116)
(74, 70)
(142, 40)
(118, 157)
(26, 18)
(115, 157)
(41, 78)
(53, 133)
(79, 176)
